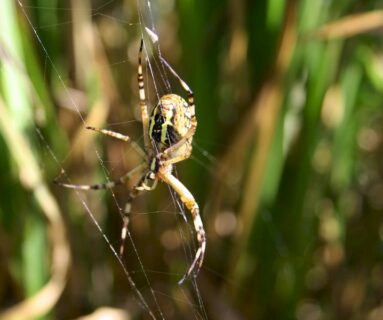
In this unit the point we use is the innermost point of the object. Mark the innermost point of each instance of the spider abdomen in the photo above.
(169, 122)
(162, 131)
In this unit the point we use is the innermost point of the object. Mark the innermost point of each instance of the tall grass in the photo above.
(286, 165)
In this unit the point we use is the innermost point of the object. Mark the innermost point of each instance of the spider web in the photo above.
(153, 301)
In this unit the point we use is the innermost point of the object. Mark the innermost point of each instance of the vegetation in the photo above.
(286, 165)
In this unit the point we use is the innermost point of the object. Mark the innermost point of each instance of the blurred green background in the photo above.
(286, 167)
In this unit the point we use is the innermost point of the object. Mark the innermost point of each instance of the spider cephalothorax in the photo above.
(168, 135)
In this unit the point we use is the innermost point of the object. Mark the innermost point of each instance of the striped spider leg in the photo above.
(172, 125)
(112, 184)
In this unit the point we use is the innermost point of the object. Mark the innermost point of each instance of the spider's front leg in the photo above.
(146, 183)
(141, 186)
(190, 203)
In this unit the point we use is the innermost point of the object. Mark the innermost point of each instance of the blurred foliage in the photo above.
(286, 165)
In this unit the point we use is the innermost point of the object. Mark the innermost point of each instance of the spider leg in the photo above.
(173, 160)
(107, 185)
(190, 203)
(179, 143)
(184, 86)
(120, 136)
(142, 95)
(190, 109)
(138, 189)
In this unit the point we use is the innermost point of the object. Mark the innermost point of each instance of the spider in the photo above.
(168, 135)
